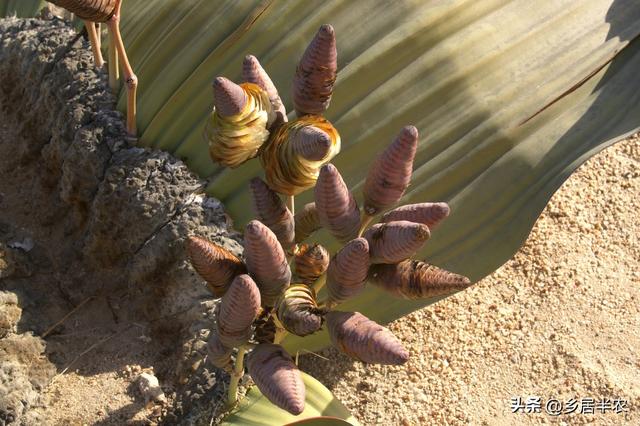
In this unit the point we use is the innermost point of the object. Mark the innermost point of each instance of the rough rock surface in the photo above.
(24, 370)
(106, 221)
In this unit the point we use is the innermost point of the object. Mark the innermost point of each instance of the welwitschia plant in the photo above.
(263, 299)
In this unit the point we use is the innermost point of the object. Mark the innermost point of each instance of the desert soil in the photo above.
(560, 320)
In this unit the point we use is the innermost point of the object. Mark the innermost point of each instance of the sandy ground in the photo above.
(561, 320)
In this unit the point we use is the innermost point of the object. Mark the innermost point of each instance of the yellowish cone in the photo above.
(237, 138)
(286, 171)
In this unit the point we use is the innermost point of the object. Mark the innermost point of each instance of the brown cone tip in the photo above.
(273, 212)
(316, 73)
(327, 30)
(253, 72)
(229, 98)
(390, 174)
(393, 242)
(359, 245)
(322, 49)
(266, 261)
(238, 309)
(277, 377)
(311, 143)
(364, 339)
(335, 204)
(347, 271)
(409, 133)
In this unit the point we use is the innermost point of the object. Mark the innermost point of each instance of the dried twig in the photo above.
(86, 351)
(64, 318)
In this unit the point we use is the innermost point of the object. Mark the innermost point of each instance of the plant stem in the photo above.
(238, 372)
(291, 204)
(366, 220)
(281, 333)
(320, 282)
(94, 38)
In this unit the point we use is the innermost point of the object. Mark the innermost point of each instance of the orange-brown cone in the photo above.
(311, 262)
(215, 264)
(393, 242)
(298, 311)
(306, 222)
(413, 279)
(316, 74)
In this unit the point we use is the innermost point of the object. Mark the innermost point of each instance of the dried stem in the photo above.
(114, 70)
(99, 38)
(64, 318)
(94, 38)
(238, 372)
(131, 80)
(89, 349)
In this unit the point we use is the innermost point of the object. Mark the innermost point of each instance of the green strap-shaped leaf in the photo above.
(20, 8)
(321, 421)
(256, 410)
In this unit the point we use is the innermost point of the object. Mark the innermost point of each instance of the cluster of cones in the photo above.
(249, 119)
(262, 298)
